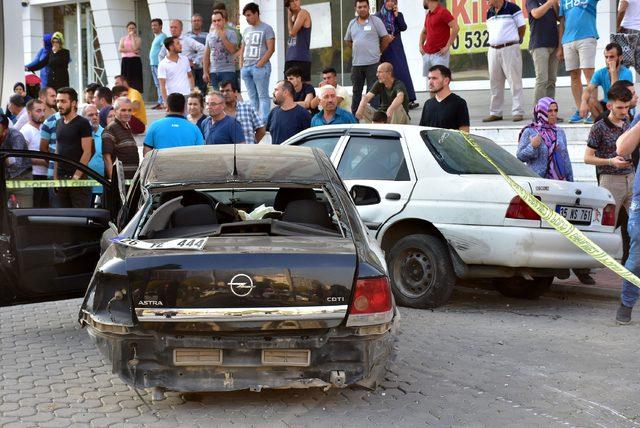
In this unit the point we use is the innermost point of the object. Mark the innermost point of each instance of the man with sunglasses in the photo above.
(220, 128)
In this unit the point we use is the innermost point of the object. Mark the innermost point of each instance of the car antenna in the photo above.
(235, 166)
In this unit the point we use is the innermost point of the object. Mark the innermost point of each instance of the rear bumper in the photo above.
(525, 247)
(337, 358)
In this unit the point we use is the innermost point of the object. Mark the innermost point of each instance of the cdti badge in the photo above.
(241, 285)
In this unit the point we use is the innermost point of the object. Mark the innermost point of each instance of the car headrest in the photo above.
(286, 195)
(307, 211)
(194, 215)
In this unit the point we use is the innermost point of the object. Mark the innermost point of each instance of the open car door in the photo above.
(52, 252)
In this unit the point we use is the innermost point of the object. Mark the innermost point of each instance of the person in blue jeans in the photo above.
(158, 39)
(219, 50)
(258, 44)
(625, 145)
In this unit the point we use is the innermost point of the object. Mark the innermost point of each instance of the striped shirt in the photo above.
(118, 141)
(249, 120)
(503, 24)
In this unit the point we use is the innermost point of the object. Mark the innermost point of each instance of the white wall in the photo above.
(13, 67)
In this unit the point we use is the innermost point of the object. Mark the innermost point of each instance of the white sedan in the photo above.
(441, 212)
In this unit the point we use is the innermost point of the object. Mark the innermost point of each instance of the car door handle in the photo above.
(393, 196)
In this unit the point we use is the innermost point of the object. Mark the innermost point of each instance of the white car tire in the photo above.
(421, 272)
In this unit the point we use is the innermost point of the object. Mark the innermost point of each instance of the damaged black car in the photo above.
(240, 267)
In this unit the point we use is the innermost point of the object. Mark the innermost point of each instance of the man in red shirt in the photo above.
(439, 32)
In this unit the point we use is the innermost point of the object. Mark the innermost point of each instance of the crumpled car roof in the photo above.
(255, 163)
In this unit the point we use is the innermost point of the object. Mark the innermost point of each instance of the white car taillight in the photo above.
(372, 302)
(609, 215)
(520, 210)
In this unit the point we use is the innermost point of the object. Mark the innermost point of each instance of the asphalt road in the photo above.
(483, 360)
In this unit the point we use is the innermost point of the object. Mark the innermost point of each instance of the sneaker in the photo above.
(492, 118)
(517, 118)
(589, 120)
(413, 105)
(576, 118)
(623, 316)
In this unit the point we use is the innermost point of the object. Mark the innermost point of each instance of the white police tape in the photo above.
(559, 223)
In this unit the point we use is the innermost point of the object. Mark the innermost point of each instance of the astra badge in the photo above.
(241, 285)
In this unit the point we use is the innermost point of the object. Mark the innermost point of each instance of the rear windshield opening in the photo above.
(275, 211)
(456, 156)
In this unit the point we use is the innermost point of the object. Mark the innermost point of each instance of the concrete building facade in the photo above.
(93, 28)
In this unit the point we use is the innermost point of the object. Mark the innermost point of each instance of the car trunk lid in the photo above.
(265, 281)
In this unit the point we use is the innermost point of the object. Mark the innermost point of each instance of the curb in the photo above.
(585, 289)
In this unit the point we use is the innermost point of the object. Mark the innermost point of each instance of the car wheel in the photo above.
(421, 272)
(523, 288)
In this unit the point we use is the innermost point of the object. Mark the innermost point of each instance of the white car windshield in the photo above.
(456, 156)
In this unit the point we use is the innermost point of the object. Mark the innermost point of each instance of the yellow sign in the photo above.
(473, 36)
(559, 223)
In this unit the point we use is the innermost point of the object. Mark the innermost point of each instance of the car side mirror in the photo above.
(364, 195)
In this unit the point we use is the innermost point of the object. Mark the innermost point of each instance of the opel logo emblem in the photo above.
(241, 285)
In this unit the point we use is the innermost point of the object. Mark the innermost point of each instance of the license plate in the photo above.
(575, 215)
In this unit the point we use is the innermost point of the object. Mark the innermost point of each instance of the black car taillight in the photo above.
(372, 302)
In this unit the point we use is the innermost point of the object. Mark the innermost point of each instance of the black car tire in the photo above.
(421, 272)
(521, 288)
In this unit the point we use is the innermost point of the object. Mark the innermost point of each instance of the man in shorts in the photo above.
(579, 37)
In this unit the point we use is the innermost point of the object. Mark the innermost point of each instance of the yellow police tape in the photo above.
(36, 184)
(559, 222)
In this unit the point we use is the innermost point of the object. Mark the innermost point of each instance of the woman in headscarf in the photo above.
(394, 53)
(58, 63)
(543, 146)
(41, 60)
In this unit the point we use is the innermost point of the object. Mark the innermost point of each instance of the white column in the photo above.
(32, 31)
(606, 24)
(414, 14)
(110, 19)
(272, 13)
(168, 10)
(81, 64)
(12, 67)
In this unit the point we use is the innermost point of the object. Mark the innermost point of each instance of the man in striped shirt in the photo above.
(506, 27)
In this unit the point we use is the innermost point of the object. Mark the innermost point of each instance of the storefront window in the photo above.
(469, 51)
(205, 7)
(65, 20)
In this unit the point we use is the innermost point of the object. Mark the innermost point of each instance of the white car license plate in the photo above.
(575, 215)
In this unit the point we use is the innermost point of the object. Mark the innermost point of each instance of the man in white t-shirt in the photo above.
(628, 19)
(31, 132)
(330, 77)
(174, 71)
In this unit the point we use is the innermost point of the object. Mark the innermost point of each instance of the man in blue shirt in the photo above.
(96, 163)
(331, 114)
(579, 37)
(604, 77)
(220, 128)
(625, 145)
(156, 45)
(174, 130)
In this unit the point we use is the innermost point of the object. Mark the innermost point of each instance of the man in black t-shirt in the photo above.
(303, 92)
(74, 141)
(444, 109)
(287, 118)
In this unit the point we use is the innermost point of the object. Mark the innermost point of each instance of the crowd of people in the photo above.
(198, 76)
